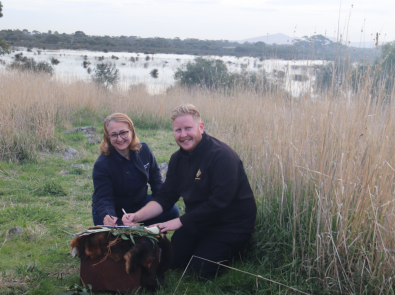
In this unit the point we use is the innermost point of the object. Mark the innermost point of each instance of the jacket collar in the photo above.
(198, 149)
(118, 156)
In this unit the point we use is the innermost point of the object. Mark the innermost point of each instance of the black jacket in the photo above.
(109, 181)
(214, 186)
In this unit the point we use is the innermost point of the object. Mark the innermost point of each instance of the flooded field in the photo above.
(135, 68)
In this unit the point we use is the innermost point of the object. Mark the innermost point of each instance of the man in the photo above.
(220, 208)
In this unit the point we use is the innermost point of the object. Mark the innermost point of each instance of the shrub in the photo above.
(85, 64)
(19, 56)
(106, 74)
(55, 61)
(154, 73)
(29, 64)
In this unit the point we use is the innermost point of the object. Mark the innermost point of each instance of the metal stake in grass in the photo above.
(251, 274)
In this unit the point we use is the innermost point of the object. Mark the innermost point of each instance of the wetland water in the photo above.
(138, 71)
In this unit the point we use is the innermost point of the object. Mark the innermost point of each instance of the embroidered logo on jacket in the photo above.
(198, 174)
(146, 165)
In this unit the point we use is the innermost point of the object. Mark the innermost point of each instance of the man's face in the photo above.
(187, 132)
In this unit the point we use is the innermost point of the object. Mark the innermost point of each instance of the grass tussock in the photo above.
(322, 167)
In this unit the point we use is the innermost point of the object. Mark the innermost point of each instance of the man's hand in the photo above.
(169, 225)
(129, 219)
(108, 221)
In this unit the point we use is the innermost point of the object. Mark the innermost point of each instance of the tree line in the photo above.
(315, 47)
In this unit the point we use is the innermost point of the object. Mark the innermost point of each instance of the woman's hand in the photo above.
(129, 219)
(110, 221)
(169, 225)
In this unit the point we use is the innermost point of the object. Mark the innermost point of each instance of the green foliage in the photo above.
(29, 64)
(214, 74)
(384, 70)
(324, 76)
(55, 61)
(332, 76)
(379, 75)
(52, 39)
(154, 73)
(85, 64)
(387, 59)
(4, 47)
(105, 74)
(204, 72)
(51, 188)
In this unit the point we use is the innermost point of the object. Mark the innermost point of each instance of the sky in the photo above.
(205, 19)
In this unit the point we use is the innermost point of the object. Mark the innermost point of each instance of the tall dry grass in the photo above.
(322, 169)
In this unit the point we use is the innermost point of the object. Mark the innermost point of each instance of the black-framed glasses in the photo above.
(122, 134)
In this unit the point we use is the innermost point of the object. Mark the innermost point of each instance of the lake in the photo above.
(137, 72)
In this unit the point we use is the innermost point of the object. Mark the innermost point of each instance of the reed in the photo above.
(322, 166)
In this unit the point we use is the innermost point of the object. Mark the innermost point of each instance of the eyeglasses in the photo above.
(122, 134)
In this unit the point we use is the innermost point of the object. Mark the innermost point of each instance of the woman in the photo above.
(121, 174)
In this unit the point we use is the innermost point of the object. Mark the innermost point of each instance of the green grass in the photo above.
(49, 206)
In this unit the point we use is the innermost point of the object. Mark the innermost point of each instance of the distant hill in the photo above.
(282, 39)
(358, 44)
(278, 38)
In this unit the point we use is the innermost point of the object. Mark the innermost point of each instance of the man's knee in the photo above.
(203, 268)
(184, 244)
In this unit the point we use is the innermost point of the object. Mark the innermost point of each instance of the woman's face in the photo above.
(120, 136)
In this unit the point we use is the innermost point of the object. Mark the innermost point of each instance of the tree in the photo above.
(106, 74)
(379, 75)
(205, 72)
(214, 74)
(4, 47)
(388, 57)
(52, 39)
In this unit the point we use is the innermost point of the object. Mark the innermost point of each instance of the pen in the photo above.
(109, 213)
(127, 216)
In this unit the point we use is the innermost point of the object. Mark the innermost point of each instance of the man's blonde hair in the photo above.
(186, 109)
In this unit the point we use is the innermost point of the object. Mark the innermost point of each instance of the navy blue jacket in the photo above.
(109, 181)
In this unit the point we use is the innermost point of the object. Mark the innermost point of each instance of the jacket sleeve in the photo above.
(168, 195)
(155, 178)
(103, 194)
(223, 189)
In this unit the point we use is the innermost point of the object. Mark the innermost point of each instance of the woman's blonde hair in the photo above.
(105, 146)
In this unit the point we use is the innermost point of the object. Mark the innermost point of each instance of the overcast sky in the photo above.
(204, 19)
